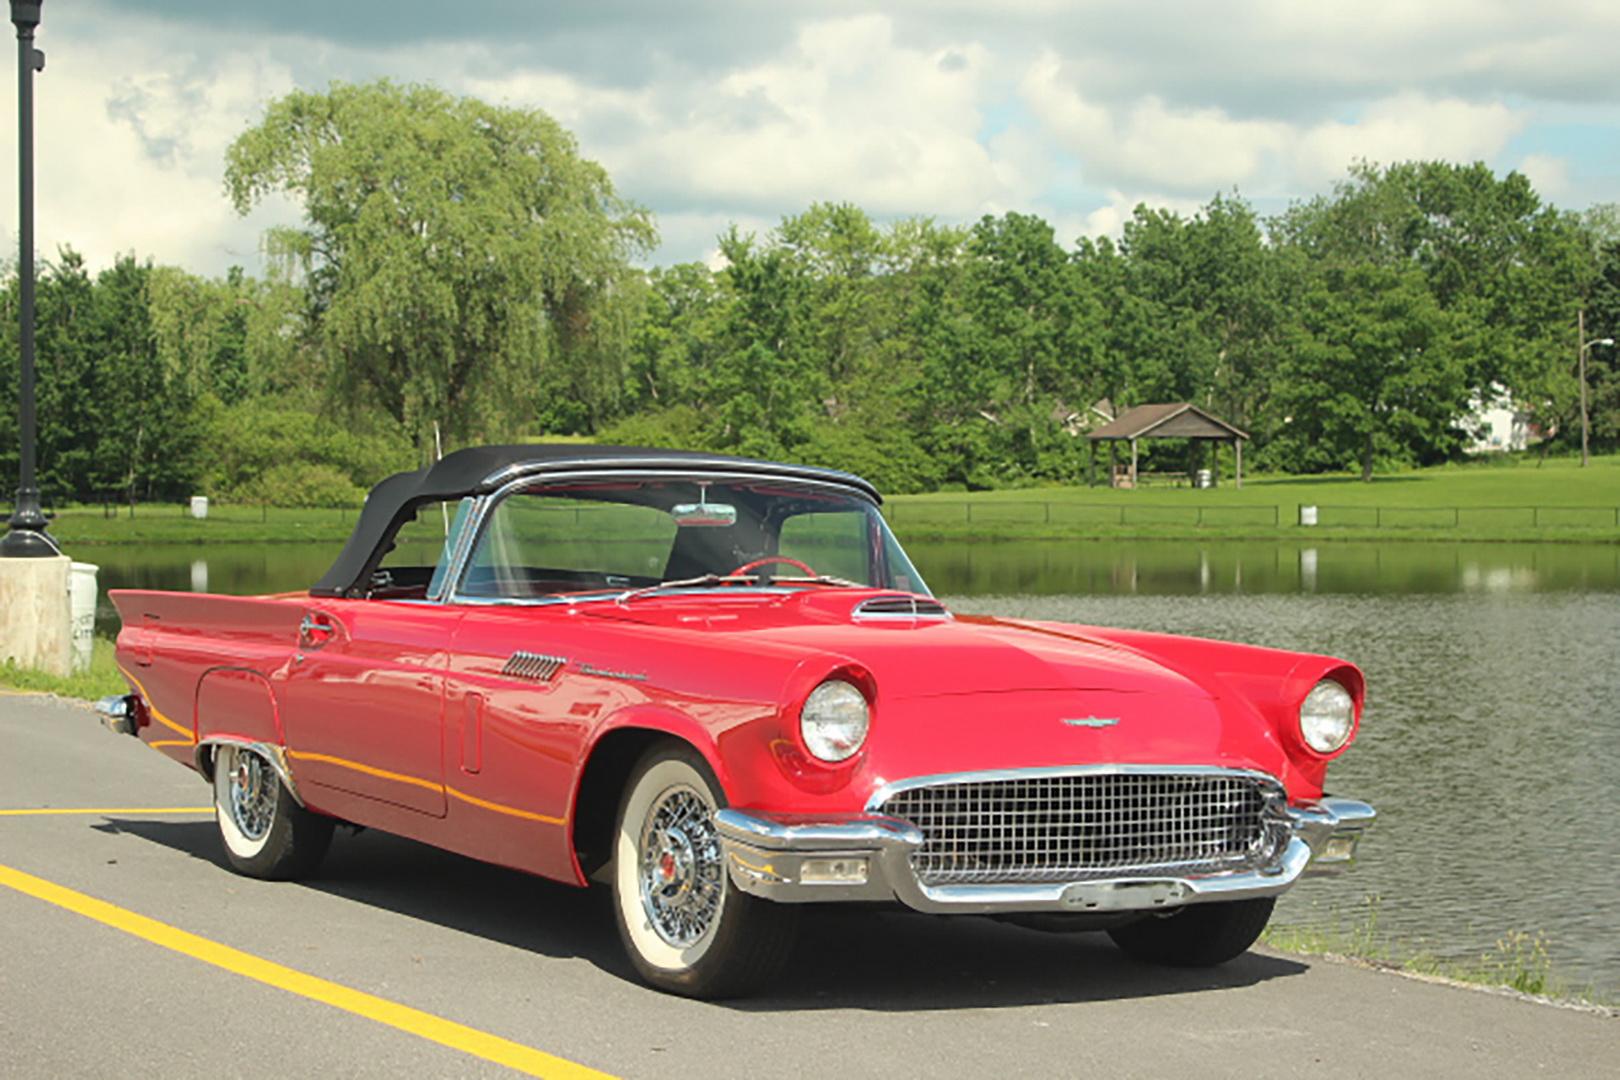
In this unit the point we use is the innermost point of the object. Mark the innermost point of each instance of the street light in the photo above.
(1585, 425)
(27, 538)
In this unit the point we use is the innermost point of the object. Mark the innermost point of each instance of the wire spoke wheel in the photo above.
(267, 834)
(685, 925)
(253, 793)
(681, 868)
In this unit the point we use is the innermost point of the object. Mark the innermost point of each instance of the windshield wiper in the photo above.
(735, 579)
(822, 579)
(686, 583)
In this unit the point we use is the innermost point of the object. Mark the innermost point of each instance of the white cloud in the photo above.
(712, 113)
(1549, 175)
(1109, 219)
(1148, 143)
(1403, 127)
(130, 141)
(846, 113)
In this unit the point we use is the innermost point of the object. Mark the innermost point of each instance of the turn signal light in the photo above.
(840, 871)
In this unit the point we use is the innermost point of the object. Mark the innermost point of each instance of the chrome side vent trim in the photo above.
(534, 667)
(899, 607)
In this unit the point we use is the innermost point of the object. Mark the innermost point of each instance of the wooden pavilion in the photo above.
(1182, 420)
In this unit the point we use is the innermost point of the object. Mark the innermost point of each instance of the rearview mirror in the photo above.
(704, 515)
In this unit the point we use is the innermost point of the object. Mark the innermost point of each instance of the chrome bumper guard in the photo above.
(867, 857)
(117, 713)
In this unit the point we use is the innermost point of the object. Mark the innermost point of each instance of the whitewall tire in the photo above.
(685, 926)
(265, 832)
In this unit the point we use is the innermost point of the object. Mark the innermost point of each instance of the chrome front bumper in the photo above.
(795, 859)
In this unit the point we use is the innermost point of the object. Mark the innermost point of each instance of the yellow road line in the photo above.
(456, 1036)
(42, 811)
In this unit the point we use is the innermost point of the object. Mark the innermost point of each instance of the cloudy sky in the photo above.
(713, 113)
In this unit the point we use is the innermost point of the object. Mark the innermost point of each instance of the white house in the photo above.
(1495, 422)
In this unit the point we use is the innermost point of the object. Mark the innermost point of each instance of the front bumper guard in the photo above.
(766, 855)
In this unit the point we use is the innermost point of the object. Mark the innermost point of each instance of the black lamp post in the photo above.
(27, 538)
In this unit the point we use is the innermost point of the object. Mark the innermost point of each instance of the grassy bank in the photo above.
(1518, 961)
(101, 680)
(172, 523)
(1511, 500)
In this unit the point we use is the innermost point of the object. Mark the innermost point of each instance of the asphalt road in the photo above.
(515, 960)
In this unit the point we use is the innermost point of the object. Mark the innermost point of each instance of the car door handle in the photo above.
(315, 631)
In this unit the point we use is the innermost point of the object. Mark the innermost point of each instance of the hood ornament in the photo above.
(1091, 721)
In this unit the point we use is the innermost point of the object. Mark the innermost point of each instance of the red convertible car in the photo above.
(719, 686)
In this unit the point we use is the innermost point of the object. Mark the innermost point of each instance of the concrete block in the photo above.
(36, 624)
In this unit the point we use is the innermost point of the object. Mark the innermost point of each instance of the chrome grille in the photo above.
(1089, 825)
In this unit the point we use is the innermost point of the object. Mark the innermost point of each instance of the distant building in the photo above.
(1496, 423)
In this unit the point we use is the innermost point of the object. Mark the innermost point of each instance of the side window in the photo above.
(418, 558)
(540, 545)
(833, 543)
(451, 540)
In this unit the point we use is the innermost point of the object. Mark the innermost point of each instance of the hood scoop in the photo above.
(900, 607)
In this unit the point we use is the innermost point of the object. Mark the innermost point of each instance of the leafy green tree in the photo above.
(1372, 374)
(1508, 265)
(450, 248)
(112, 417)
(1603, 361)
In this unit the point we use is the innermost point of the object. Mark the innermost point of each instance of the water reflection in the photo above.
(1187, 568)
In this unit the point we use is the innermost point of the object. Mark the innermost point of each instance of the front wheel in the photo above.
(266, 833)
(1202, 935)
(686, 927)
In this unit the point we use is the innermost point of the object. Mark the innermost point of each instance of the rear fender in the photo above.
(236, 706)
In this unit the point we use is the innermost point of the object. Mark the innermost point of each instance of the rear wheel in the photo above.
(685, 926)
(266, 833)
(1201, 935)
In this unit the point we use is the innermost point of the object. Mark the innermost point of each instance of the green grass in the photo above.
(101, 680)
(1500, 499)
(171, 523)
(1518, 961)
(1504, 499)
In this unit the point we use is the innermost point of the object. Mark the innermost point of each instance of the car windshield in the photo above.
(624, 535)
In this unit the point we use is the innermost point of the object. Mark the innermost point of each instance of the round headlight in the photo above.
(833, 720)
(1326, 717)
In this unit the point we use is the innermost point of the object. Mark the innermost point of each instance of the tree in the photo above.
(1509, 266)
(1603, 361)
(450, 247)
(1372, 373)
(1017, 348)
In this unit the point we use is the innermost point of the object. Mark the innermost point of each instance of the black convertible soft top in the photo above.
(478, 470)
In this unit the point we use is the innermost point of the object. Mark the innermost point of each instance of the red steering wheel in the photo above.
(767, 561)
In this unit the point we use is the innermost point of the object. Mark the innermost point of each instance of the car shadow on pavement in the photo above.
(874, 959)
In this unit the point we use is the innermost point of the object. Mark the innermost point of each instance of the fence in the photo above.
(1019, 512)
(956, 513)
(1031, 512)
(1473, 517)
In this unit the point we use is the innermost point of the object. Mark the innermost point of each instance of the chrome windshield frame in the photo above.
(466, 543)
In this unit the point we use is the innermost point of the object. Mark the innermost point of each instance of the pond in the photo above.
(1491, 743)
